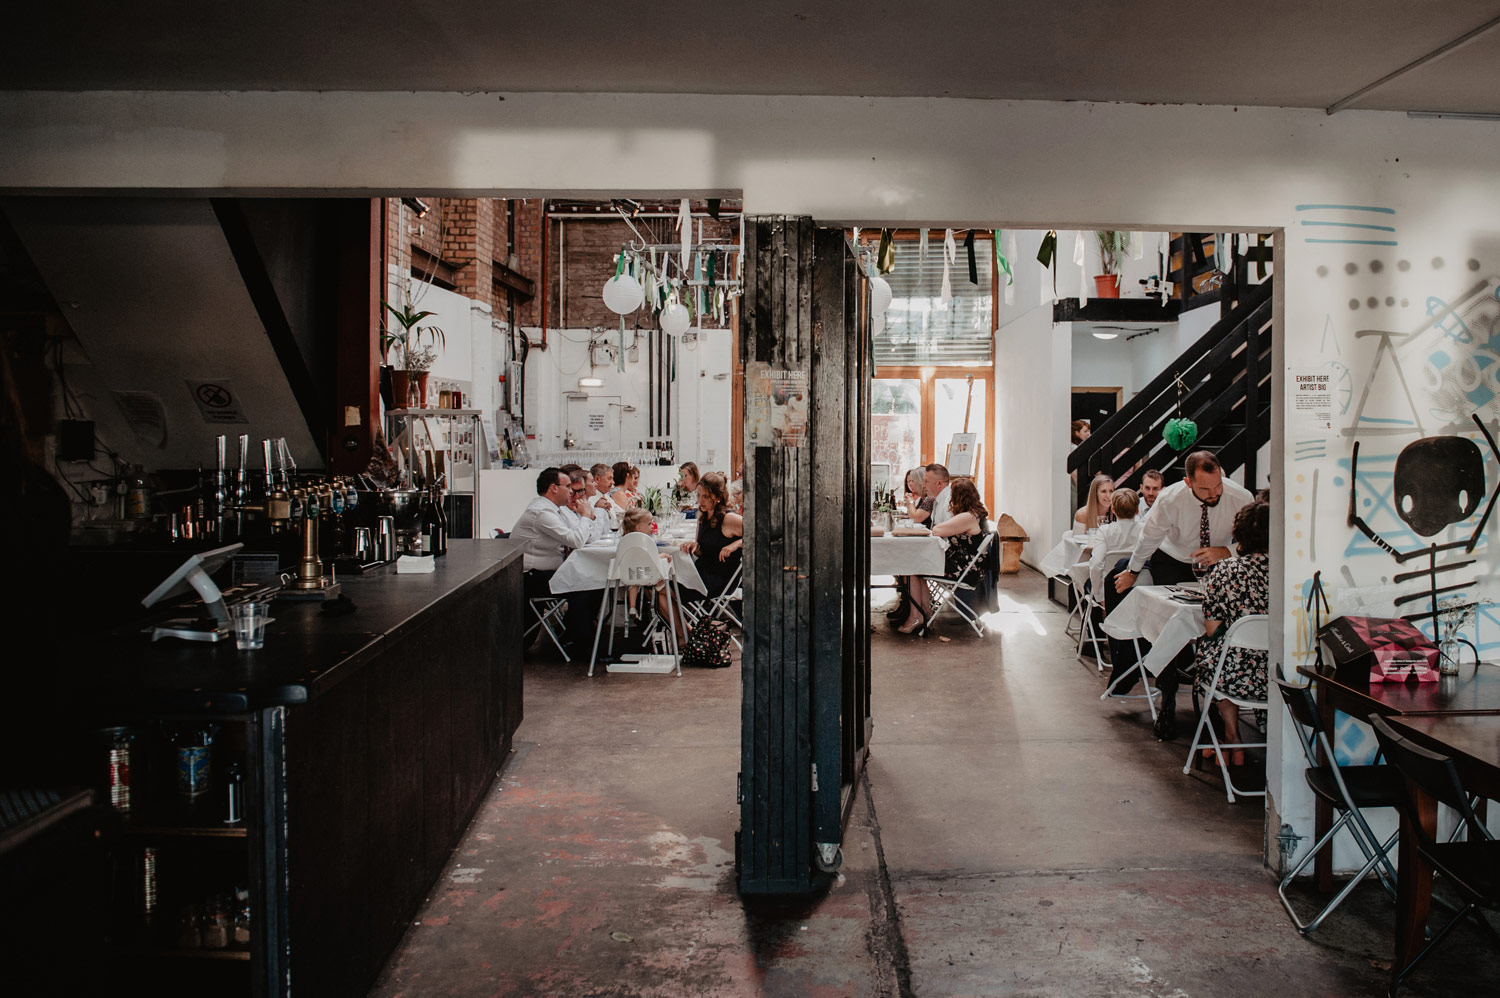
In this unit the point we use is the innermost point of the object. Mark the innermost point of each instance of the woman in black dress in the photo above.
(965, 530)
(721, 536)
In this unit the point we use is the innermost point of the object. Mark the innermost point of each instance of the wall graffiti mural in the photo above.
(1418, 370)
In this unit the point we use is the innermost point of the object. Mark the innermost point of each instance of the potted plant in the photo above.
(413, 360)
(1112, 245)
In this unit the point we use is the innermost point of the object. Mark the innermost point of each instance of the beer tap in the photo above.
(265, 451)
(278, 501)
(241, 477)
(221, 482)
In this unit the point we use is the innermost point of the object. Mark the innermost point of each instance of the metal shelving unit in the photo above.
(455, 439)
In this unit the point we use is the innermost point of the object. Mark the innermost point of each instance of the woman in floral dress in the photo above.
(1237, 587)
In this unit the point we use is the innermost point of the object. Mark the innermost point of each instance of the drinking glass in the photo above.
(1201, 569)
(250, 620)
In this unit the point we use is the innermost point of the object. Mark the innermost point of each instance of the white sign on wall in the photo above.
(1311, 405)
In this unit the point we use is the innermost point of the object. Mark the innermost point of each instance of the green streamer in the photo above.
(886, 255)
(1001, 262)
(1048, 249)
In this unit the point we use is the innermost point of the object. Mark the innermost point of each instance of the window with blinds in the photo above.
(919, 329)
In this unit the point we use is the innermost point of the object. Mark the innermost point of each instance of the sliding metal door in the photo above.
(805, 713)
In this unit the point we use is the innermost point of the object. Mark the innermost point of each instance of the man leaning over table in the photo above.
(1192, 520)
(549, 528)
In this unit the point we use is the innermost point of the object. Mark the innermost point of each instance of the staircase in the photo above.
(1227, 379)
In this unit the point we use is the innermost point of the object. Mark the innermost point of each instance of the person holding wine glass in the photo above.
(1192, 522)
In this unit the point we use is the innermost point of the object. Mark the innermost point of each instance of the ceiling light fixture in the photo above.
(1098, 335)
(417, 205)
(590, 382)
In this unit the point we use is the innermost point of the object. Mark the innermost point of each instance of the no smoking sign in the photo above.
(216, 401)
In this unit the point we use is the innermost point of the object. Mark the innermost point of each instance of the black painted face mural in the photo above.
(1439, 482)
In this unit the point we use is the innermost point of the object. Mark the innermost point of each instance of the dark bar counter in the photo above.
(367, 740)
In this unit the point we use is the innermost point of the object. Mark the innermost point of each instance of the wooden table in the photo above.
(1473, 742)
(1469, 702)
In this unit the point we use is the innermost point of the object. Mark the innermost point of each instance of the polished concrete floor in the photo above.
(1013, 836)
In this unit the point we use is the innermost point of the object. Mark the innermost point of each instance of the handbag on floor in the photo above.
(707, 645)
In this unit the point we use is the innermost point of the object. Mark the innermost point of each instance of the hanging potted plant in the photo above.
(413, 361)
(1112, 246)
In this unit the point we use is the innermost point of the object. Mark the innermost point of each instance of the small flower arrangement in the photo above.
(420, 359)
(651, 500)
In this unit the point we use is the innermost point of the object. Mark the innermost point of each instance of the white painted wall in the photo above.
(917, 162)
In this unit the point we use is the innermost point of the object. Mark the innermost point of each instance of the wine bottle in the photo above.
(429, 525)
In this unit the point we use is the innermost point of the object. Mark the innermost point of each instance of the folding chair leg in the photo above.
(606, 606)
(1310, 927)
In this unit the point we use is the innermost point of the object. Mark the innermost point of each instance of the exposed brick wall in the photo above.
(589, 248)
(528, 250)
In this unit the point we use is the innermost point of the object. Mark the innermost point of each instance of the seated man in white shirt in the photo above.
(548, 535)
(938, 484)
(1150, 489)
(601, 523)
(601, 478)
(1192, 522)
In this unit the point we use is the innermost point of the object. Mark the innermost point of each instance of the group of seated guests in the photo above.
(1097, 511)
(576, 506)
(1209, 520)
(952, 509)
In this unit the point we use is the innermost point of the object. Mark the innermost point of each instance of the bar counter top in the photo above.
(307, 652)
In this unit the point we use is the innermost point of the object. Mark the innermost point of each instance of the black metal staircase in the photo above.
(1225, 388)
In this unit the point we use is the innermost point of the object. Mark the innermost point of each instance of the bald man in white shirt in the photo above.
(552, 525)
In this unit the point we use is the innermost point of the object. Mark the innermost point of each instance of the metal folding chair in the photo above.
(637, 563)
(718, 607)
(547, 610)
(1349, 790)
(1086, 630)
(1251, 632)
(946, 592)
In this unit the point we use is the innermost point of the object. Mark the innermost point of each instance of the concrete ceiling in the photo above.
(1287, 53)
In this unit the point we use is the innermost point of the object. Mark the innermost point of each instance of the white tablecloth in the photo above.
(588, 568)
(907, 556)
(1149, 612)
(1068, 552)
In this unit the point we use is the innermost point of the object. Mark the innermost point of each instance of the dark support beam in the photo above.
(356, 407)
(263, 297)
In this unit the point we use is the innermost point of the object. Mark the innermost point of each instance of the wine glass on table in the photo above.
(1201, 568)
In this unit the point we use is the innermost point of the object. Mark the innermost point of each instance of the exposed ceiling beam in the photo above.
(1417, 63)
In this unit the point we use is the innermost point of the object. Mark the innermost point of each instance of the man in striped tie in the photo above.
(1191, 521)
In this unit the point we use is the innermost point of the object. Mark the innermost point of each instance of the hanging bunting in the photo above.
(922, 258)
(973, 263)
(1048, 250)
(885, 258)
(950, 257)
(1137, 245)
(685, 230)
(1009, 243)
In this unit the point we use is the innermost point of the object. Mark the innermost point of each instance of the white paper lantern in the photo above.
(623, 294)
(880, 295)
(675, 318)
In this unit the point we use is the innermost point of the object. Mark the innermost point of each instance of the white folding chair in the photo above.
(637, 563)
(1251, 632)
(718, 608)
(547, 610)
(1087, 631)
(945, 592)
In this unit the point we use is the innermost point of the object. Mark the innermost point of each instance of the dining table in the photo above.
(907, 555)
(587, 568)
(1170, 617)
(1458, 716)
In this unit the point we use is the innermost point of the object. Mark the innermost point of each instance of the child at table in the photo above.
(638, 521)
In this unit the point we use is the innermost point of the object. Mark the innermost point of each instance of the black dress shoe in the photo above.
(1165, 728)
(1126, 686)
